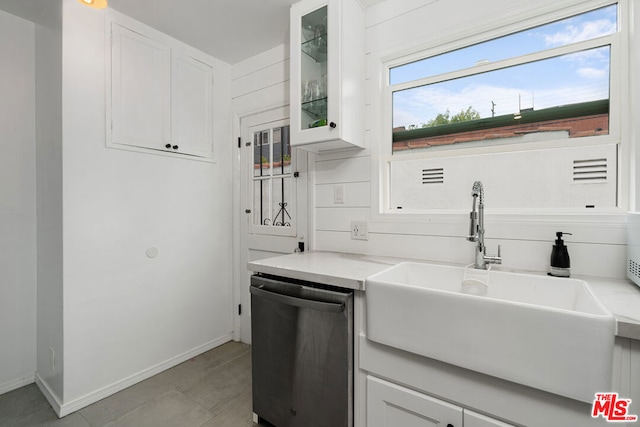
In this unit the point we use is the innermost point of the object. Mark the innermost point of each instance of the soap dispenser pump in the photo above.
(560, 262)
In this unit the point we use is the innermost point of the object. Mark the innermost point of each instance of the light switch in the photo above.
(338, 194)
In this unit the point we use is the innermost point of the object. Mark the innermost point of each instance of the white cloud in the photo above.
(597, 55)
(586, 31)
(422, 104)
(592, 73)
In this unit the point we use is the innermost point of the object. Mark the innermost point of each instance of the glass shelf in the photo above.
(316, 48)
(317, 108)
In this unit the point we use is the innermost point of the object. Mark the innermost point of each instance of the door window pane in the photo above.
(261, 153)
(281, 193)
(272, 178)
(261, 202)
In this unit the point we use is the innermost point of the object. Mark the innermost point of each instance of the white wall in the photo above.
(50, 354)
(261, 82)
(598, 244)
(17, 203)
(126, 315)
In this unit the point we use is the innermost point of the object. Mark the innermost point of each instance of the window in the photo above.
(272, 178)
(547, 82)
(535, 114)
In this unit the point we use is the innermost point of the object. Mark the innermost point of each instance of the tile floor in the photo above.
(210, 390)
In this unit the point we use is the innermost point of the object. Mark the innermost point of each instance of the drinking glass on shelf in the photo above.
(319, 37)
(314, 90)
(306, 91)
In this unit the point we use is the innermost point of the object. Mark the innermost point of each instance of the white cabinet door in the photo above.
(327, 74)
(473, 419)
(390, 405)
(160, 94)
(140, 90)
(192, 105)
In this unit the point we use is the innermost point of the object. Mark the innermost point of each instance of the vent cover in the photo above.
(433, 176)
(590, 170)
(634, 269)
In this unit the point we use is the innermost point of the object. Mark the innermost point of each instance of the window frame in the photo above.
(271, 229)
(619, 122)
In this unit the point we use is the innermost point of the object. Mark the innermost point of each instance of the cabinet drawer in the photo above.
(391, 405)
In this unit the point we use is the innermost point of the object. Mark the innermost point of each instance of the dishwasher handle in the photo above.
(333, 307)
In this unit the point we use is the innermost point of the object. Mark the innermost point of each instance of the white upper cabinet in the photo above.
(327, 74)
(161, 95)
(140, 90)
(192, 104)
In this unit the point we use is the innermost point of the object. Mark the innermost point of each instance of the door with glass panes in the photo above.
(272, 181)
(274, 196)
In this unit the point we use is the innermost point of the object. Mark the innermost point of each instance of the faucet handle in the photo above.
(492, 259)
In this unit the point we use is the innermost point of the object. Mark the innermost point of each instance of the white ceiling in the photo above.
(230, 30)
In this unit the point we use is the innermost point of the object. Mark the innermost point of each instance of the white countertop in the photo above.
(620, 296)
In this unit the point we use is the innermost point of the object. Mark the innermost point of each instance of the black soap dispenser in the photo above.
(560, 262)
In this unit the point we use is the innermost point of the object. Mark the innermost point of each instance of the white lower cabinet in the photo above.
(391, 405)
(473, 419)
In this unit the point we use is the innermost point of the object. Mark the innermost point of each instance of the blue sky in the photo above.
(579, 77)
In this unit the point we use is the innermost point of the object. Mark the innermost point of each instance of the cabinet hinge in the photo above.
(239, 309)
(239, 142)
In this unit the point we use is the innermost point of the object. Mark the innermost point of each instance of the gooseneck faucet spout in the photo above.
(476, 229)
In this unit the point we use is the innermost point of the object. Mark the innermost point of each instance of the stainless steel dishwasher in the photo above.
(302, 353)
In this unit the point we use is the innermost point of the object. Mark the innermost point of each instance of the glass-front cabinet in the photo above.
(313, 69)
(327, 74)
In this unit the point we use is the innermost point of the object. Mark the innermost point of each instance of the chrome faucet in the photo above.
(476, 229)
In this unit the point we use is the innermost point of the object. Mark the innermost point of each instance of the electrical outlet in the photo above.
(359, 230)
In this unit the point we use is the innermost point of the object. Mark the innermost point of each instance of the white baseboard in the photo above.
(86, 400)
(11, 385)
(51, 397)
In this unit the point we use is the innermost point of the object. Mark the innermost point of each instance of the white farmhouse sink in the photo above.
(543, 332)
